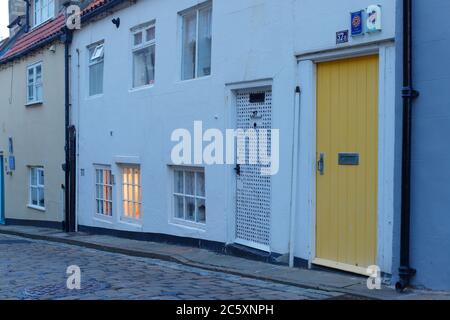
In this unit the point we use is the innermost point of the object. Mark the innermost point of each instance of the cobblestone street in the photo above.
(32, 269)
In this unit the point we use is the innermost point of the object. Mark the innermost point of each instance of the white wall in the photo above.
(246, 46)
(252, 40)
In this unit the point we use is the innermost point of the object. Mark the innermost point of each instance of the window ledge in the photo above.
(141, 88)
(41, 209)
(34, 104)
(195, 79)
(189, 224)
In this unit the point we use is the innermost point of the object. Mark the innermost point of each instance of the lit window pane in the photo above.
(204, 42)
(189, 45)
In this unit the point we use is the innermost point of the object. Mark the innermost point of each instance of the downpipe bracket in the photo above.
(408, 92)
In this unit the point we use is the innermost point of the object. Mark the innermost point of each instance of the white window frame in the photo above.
(98, 56)
(196, 9)
(103, 185)
(146, 43)
(174, 195)
(134, 201)
(37, 186)
(49, 5)
(35, 85)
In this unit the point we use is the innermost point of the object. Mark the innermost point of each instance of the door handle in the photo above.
(238, 169)
(321, 164)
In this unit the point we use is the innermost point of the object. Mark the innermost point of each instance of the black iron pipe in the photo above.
(408, 94)
(69, 223)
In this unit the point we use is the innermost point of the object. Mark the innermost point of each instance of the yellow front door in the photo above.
(347, 151)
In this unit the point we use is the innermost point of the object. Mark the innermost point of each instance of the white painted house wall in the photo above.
(255, 43)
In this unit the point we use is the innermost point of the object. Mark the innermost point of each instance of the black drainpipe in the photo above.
(27, 16)
(408, 94)
(69, 186)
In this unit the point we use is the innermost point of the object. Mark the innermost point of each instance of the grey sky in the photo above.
(4, 32)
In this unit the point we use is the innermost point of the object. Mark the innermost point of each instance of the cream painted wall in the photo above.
(37, 132)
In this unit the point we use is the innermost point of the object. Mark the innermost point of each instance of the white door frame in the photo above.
(231, 91)
(386, 145)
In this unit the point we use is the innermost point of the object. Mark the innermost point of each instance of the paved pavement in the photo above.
(33, 269)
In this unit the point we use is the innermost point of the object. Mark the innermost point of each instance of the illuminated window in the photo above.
(196, 42)
(103, 191)
(37, 194)
(143, 55)
(34, 83)
(96, 63)
(43, 11)
(131, 193)
(189, 195)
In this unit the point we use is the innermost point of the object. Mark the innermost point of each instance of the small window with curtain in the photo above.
(196, 42)
(96, 67)
(189, 194)
(144, 44)
(34, 83)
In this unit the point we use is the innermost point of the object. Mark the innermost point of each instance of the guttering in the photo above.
(408, 95)
(101, 9)
(32, 48)
(293, 207)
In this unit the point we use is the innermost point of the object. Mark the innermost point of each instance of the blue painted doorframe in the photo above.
(2, 193)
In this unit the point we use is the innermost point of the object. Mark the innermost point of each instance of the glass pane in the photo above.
(38, 74)
(189, 45)
(190, 183)
(96, 79)
(38, 93)
(30, 75)
(98, 176)
(200, 188)
(138, 38)
(178, 181)
(144, 67)
(125, 208)
(41, 177)
(150, 34)
(41, 197)
(201, 211)
(33, 176)
(190, 209)
(30, 92)
(179, 205)
(34, 196)
(204, 42)
(99, 205)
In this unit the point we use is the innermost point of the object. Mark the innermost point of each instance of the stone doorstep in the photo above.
(201, 258)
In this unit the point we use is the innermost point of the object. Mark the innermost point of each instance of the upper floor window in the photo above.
(143, 55)
(96, 63)
(196, 42)
(43, 10)
(34, 81)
